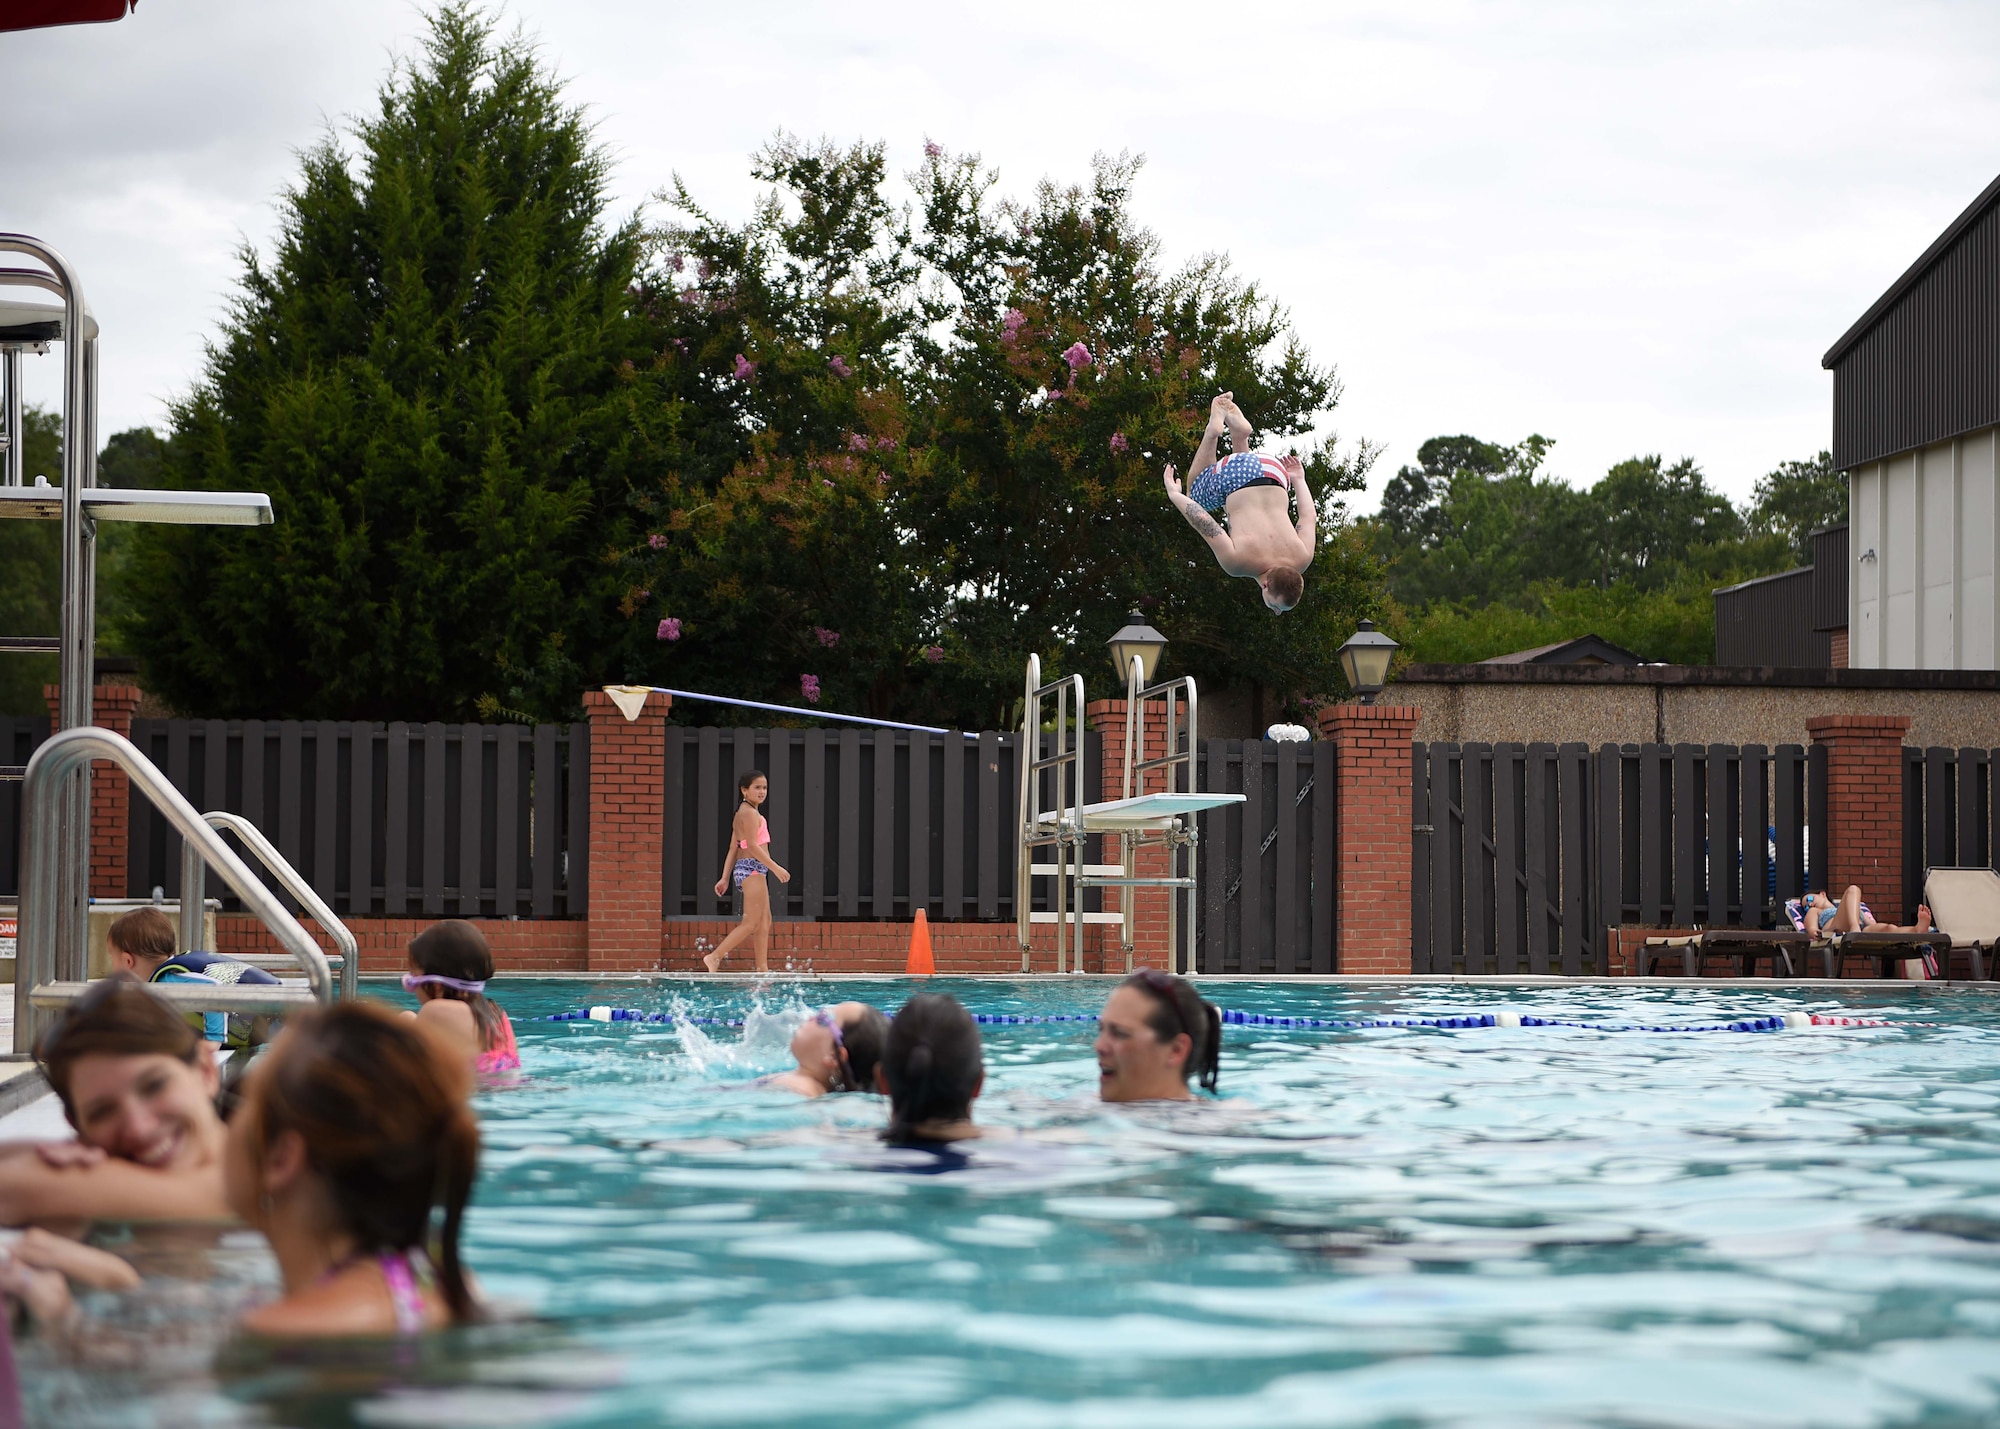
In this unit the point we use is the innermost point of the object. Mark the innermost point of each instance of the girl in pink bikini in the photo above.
(746, 861)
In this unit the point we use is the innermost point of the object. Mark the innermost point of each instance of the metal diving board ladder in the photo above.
(55, 887)
(1159, 817)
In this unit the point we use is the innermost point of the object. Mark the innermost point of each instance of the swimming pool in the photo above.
(1542, 1226)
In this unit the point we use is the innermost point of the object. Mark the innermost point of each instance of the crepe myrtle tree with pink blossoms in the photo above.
(878, 414)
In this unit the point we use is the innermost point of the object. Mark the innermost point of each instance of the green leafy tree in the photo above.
(1798, 498)
(438, 378)
(923, 444)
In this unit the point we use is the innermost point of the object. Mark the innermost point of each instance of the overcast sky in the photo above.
(1631, 227)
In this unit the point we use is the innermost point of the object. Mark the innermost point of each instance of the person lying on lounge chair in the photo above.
(1823, 916)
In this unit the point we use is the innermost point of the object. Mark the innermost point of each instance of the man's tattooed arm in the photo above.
(1201, 521)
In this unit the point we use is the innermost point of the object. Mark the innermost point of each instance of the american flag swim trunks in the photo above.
(1213, 488)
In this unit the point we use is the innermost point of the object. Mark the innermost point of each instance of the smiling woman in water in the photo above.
(1154, 1033)
(138, 1084)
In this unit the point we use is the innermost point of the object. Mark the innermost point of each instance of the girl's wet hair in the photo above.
(455, 948)
(932, 1061)
(1178, 1008)
(116, 1018)
(861, 1052)
(750, 777)
(382, 1112)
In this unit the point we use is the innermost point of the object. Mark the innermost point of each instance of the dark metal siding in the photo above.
(1770, 622)
(1829, 595)
(1927, 368)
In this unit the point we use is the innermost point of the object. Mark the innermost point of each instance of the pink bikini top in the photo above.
(763, 833)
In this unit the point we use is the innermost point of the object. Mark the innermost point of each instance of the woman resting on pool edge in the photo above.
(138, 1084)
(837, 1049)
(1154, 1033)
(746, 861)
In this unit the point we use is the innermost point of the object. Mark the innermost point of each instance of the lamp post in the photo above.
(1136, 641)
(1364, 659)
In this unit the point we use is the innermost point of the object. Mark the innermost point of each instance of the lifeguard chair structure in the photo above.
(52, 961)
(1161, 818)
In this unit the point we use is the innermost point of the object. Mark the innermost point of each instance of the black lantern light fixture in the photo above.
(1364, 659)
(1137, 641)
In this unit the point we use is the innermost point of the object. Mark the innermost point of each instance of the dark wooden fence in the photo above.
(1266, 867)
(870, 824)
(1948, 814)
(1523, 854)
(398, 819)
(18, 737)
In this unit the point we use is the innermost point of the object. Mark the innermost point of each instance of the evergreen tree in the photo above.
(431, 375)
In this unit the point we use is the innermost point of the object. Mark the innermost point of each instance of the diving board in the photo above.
(1144, 811)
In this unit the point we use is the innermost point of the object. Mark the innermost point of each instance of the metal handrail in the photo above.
(1065, 834)
(42, 954)
(1136, 769)
(193, 867)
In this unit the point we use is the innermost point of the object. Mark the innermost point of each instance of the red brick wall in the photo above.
(1840, 648)
(1864, 787)
(1372, 856)
(527, 946)
(110, 790)
(627, 793)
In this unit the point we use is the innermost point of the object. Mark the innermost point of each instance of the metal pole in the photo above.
(1030, 812)
(290, 879)
(1194, 829)
(10, 372)
(194, 897)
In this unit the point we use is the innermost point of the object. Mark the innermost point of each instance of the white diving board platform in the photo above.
(169, 508)
(1144, 811)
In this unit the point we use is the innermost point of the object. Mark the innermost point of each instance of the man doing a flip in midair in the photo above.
(1254, 491)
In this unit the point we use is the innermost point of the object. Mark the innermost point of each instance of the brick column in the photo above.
(627, 794)
(110, 790)
(1864, 808)
(1372, 835)
(1149, 917)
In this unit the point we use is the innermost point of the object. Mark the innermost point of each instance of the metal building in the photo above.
(1916, 425)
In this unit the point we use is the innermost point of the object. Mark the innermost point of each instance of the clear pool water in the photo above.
(1486, 1227)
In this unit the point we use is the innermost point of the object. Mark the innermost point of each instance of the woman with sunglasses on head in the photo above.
(1154, 1033)
(450, 965)
(837, 1049)
(745, 862)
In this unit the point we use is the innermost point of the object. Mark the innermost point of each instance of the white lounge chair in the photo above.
(1965, 903)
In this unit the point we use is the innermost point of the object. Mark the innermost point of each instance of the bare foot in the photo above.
(1925, 924)
(713, 962)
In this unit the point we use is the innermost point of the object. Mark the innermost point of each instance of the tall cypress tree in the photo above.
(430, 375)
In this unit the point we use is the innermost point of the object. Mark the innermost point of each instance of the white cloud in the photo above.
(1630, 227)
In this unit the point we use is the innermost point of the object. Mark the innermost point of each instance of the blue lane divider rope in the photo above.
(1233, 1018)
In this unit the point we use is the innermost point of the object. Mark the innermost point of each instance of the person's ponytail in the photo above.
(458, 1167)
(1209, 1069)
(932, 1062)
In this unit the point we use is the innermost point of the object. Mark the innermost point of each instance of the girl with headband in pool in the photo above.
(837, 1049)
(1154, 1033)
(747, 860)
(450, 965)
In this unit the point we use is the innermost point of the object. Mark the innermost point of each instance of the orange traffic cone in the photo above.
(920, 964)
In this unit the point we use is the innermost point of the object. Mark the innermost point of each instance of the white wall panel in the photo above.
(1930, 596)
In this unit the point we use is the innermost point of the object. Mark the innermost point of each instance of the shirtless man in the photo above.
(1262, 541)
